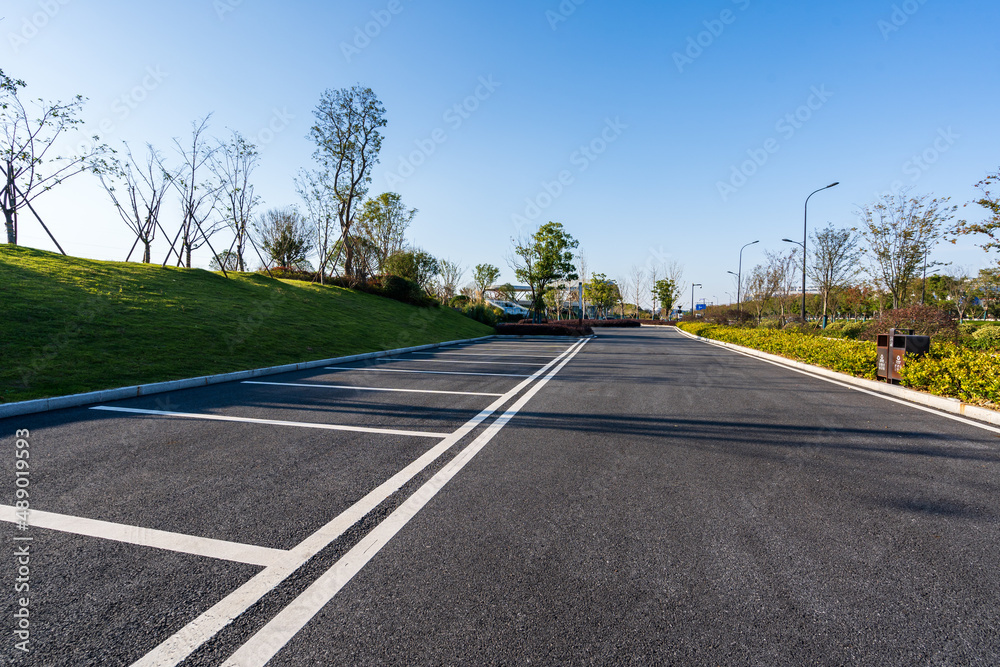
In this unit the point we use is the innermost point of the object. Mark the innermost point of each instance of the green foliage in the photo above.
(601, 292)
(987, 337)
(948, 370)
(545, 258)
(458, 301)
(484, 275)
(666, 292)
(414, 265)
(484, 313)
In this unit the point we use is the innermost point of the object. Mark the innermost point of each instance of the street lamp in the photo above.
(693, 285)
(739, 279)
(805, 220)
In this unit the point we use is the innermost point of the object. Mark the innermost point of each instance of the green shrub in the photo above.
(853, 330)
(459, 301)
(987, 337)
(485, 313)
(950, 370)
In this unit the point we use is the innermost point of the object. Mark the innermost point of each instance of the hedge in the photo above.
(565, 328)
(948, 370)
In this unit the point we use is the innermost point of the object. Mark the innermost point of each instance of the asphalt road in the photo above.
(641, 499)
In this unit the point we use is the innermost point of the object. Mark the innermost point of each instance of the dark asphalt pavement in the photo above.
(658, 501)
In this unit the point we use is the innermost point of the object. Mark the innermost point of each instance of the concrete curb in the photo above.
(102, 396)
(951, 405)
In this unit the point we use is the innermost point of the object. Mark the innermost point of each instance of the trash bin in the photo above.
(892, 350)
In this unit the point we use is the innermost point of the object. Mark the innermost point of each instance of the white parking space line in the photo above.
(400, 370)
(406, 391)
(468, 361)
(179, 646)
(477, 354)
(274, 422)
(148, 537)
(270, 639)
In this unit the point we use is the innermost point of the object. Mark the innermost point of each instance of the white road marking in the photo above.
(270, 639)
(408, 391)
(179, 646)
(148, 537)
(274, 422)
(401, 370)
(467, 361)
(917, 406)
(478, 354)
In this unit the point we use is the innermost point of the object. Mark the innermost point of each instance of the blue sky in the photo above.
(642, 109)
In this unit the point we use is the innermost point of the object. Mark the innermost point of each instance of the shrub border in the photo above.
(943, 403)
(76, 400)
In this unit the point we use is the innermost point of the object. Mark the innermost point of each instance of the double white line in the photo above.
(266, 643)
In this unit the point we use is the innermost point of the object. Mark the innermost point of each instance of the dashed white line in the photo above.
(148, 537)
(274, 422)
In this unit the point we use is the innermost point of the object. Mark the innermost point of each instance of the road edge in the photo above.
(37, 405)
(951, 405)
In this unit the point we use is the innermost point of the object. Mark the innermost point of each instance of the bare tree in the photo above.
(319, 197)
(451, 275)
(26, 138)
(198, 195)
(760, 288)
(900, 232)
(638, 283)
(835, 261)
(233, 163)
(137, 190)
(348, 139)
(784, 268)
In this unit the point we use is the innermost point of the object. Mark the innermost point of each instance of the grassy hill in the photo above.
(71, 325)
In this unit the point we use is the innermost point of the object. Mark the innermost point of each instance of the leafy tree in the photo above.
(543, 259)
(601, 292)
(284, 236)
(416, 265)
(667, 292)
(484, 275)
(26, 140)
(991, 226)
(900, 233)
(507, 292)
(383, 221)
(834, 262)
(348, 138)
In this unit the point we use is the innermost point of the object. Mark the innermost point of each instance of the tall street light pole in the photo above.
(805, 227)
(739, 279)
(693, 285)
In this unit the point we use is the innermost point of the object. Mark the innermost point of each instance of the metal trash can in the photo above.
(893, 348)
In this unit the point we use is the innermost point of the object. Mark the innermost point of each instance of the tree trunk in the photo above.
(9, 224)
(146, 258)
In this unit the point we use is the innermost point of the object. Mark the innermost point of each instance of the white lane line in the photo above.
(148, 537)
(477, 354)
(407, 391)
(183, 643)
(270, 639)
(910, 404)
(274, 422)
(400, 370)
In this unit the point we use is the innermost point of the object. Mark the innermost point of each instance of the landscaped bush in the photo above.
(619, 324)
(483, 312)
(986, 338)
(564, 328)
(948, 370)
(924, 320)
(658, 323)
(290, 273)
(400, 289)
(459, 301)
(951, 370)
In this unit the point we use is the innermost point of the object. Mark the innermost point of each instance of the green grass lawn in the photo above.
(72, 325)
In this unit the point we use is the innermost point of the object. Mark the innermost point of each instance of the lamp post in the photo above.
(805, 227)
(739, 279)
(693, 285)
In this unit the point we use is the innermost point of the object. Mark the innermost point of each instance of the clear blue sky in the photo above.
(887, 81)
